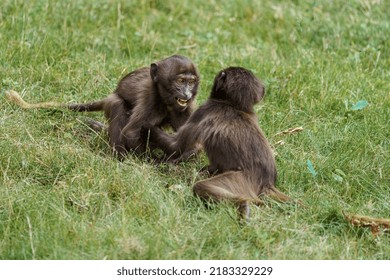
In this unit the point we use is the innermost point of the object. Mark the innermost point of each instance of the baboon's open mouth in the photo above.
(182, 102)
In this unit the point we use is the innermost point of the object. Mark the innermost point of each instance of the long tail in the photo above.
(17, 99)
(229, 186)
(274, 193)
(236, 186)
(14, 97)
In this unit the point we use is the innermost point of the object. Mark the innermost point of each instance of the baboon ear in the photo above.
(259, 93)
(153, 71)
(262, 91)
(222, 76)
(221, 80)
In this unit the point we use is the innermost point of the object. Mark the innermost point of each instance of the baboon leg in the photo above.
(95, 125)
(244, 210)
(118, 117)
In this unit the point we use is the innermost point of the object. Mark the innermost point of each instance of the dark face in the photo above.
(239, 87)
(183, 89)
(177, 80)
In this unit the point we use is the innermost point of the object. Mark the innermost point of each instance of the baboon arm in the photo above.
(189, 138)
(177, 147)
(158, 138)
(185, 140)
(178, 119)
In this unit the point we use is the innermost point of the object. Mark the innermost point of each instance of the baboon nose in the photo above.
(188, 94)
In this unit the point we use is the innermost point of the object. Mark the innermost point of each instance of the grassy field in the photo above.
(62, 194)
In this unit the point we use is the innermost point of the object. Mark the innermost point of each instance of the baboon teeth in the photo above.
(181, 102)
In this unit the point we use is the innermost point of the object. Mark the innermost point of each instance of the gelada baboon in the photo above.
(227, 127)
(160, 95)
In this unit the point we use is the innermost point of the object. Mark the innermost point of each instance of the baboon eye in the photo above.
(191, 82)
(180, 81)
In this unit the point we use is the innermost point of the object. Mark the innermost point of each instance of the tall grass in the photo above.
(63, 196)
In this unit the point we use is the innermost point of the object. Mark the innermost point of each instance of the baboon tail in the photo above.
(14, 97)
(229, 186)
(87, 107)
(274, 193)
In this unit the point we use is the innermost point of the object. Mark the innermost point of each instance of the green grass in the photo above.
(63, 196)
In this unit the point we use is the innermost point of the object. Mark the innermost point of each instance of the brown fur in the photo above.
(227, 128)
(149, 96)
